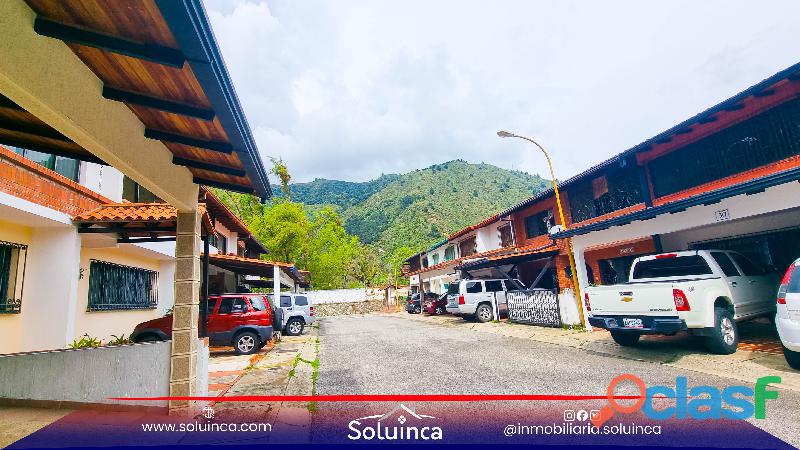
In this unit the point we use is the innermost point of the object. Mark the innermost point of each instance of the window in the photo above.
(748, 268)
(450, 252)
(494, 286)
(12, 269)
(725, 264)
(231, 305)
(67, 167)
(258, 303)
(424, 261)
(452, 289)
(286, 301)
(301, 301)
(435, 259)
(221, 243)
(605, 194)
(505, 235)
(474, 287)
(680, 266)
(538, 224)
(135, 193)
(117, 287)
(766, 138)
(468, 246)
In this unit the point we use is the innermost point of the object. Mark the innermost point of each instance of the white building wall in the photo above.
(105, 180)
(488, 237)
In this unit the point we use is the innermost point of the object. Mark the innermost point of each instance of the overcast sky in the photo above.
(352, 89)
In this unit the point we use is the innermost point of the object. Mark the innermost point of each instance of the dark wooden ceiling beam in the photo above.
(160, 104)
(8, 104)
(217, 146)
(149, 52)
(33, 130)
(131, 240)
(208, 166)
(227, 186)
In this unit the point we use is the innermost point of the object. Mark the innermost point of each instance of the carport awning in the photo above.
(136, 222)
(256, 267)
(709, 198)
(510, 258)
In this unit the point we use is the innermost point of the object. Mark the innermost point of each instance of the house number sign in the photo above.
(722, 215)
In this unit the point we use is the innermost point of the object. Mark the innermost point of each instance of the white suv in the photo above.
(297, 312)
(483, 300)
(788, 318)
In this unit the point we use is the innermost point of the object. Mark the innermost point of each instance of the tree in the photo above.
(282, 172)
(365, 268)
(331, 250)
(283, 229)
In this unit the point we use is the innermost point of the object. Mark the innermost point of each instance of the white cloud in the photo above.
(352, 89)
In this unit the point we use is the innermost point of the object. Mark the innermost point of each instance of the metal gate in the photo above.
(536, 307)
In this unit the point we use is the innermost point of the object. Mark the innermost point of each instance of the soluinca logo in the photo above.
(401, 423)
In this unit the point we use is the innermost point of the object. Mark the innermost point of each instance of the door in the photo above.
(736, 283)
(760, 288)
(287, 306)
(228, 315)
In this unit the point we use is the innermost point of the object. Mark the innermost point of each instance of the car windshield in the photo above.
(258, 303)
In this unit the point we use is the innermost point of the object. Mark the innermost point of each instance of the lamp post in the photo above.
(505, 134)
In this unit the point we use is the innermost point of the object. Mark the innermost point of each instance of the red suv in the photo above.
(244, 321)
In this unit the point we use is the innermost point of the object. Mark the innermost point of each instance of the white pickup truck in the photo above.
(704, 292)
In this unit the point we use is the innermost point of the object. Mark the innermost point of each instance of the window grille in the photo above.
(538, 224)
(117, 287)
(12, 270)
(605, 194)
(761, 140)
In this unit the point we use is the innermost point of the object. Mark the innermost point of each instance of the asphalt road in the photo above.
(376, 354)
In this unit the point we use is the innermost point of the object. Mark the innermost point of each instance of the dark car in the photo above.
(413, 304)
(436, 305)
(243, 321)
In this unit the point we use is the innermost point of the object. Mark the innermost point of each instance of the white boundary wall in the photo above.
(337, 296)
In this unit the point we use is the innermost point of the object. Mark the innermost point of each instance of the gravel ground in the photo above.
(393, 355)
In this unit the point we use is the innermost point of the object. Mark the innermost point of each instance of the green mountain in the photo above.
(419, 208)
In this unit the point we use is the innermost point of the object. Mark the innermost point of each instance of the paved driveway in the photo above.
(394, 354)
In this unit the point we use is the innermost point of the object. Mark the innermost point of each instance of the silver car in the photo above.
(482, 299)
(297, 313)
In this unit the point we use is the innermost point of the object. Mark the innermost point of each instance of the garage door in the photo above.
(777, 248)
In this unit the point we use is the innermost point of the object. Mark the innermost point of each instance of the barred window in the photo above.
(117, 287)
(450, 253)
(604, 194)
(505, 235)
(764, 139)
(538, 224)
(12, 270)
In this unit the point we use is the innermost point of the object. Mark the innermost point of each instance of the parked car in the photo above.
(435, 305)
(414, 305)
(705, 292)
(787, 319)
(480, 299)
(244, 321)
(297, 313)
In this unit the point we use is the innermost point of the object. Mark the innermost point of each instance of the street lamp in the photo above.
(505, 134)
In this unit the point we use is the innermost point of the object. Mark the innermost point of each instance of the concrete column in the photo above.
(183, 359)
(276, 284)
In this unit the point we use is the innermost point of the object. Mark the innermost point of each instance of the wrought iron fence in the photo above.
(115, 287)
(13, 258)
(534, 307)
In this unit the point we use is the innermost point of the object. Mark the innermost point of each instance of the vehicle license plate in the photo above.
(632, 323)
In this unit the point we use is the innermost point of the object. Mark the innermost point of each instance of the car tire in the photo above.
(294, 327)
(439, 310)
(246, 343)
(484, 313)
(724, 337)
(148, 338)
(625, 338)
(792, 358)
